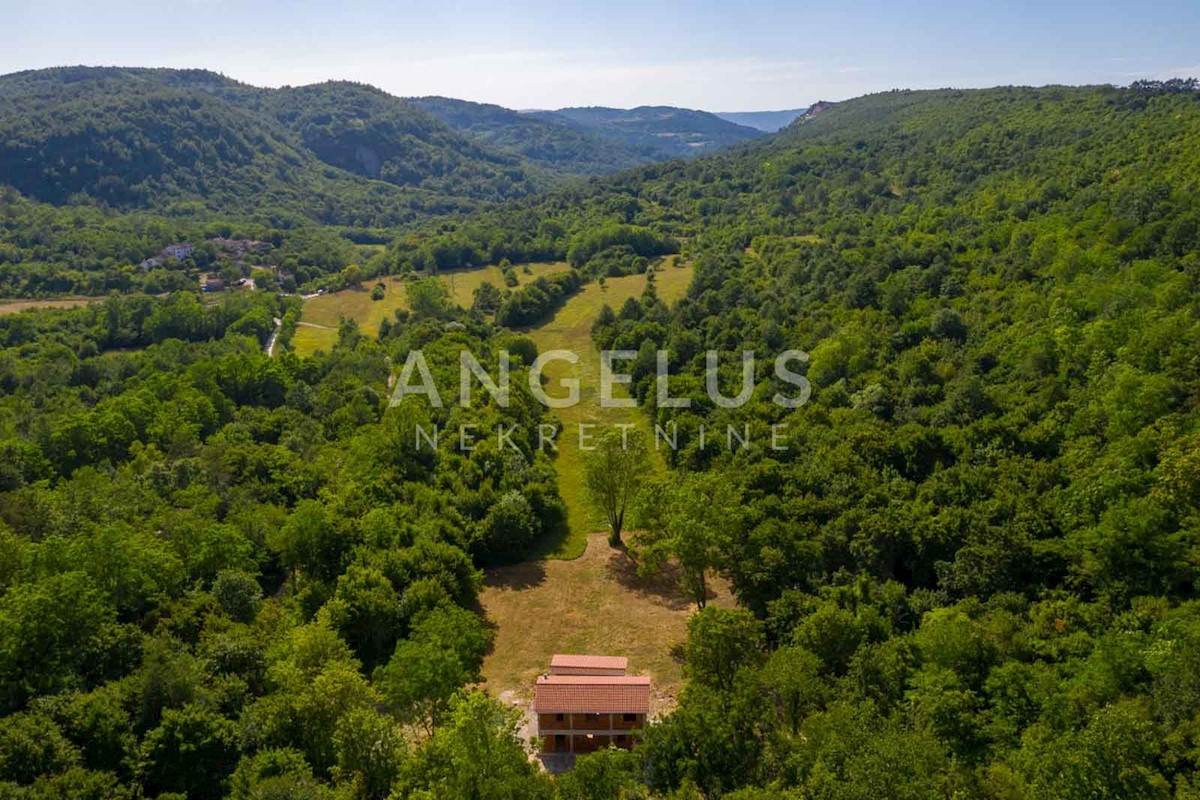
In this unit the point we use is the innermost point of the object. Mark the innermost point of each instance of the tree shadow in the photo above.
(662, 587)
(557, 763)
(525, 575)
(550, 541)
(493, 629)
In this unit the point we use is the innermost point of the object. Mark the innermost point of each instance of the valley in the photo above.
(973, 574)
(568, 329)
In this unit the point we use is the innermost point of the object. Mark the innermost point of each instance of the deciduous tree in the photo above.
(613, 475)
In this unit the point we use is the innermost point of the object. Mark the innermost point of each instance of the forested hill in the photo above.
(911, 163)
(335, 153)
(139, 138)
(968, 569)
(973, 571)
(368, 132)
(133, 138)
(671, 132)
(554, 144)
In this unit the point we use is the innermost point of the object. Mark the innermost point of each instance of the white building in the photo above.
(179, 251)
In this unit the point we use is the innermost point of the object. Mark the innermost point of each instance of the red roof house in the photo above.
(592, 694)
(587, 703)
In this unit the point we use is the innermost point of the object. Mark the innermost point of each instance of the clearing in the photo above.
(576, 594)
(579, 595)
(571, 329)
(323, 313)
(596, 603)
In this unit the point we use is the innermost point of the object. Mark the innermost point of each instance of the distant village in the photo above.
(225, 268)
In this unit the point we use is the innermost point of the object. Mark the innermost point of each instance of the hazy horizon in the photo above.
(762, 55)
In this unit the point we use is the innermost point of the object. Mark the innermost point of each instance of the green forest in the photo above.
(103, 167)
(972, 574)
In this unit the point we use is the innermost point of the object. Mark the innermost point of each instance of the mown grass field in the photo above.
(579, 595)
(321, 315)
(571, 329)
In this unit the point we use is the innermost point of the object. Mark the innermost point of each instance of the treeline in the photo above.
(1169, 86)
(131, 322)
(537, 301)
(641, 241)
(589, 240)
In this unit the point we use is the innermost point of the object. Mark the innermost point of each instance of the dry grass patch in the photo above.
(14, 306)
(593, 604)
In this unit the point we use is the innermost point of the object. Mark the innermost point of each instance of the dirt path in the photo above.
(270, 348)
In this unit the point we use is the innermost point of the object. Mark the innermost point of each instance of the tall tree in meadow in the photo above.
(686, 519)
(613, 473)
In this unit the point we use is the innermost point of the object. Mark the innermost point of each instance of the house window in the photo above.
(629, 717)
(559, 717)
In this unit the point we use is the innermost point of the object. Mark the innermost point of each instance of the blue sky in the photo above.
(726, 56)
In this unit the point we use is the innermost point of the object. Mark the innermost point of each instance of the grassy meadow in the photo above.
(14, 306)
(571, 329)
(576, 594)
(321, 315)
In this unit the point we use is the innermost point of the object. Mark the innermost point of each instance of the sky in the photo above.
(719, 56)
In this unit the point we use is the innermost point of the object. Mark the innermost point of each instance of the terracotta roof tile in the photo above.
(564, 664)
(592, 694)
